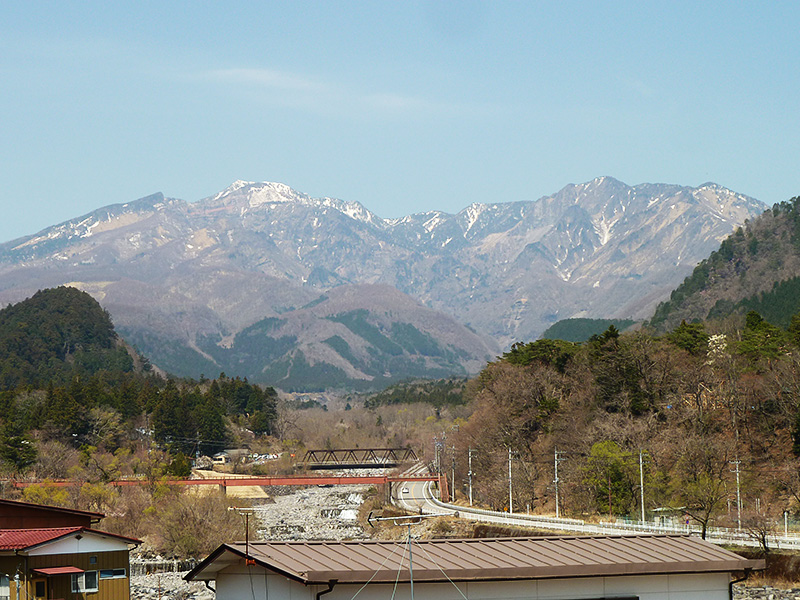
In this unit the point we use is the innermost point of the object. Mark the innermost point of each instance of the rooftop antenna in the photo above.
(250, 562)
(412, 520)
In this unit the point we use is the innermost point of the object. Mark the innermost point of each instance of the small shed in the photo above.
(653, 567)
(230, 455)
(221, 458)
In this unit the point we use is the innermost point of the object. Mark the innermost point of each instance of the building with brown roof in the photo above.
(64, 563)
(24, 515)
(536, 568)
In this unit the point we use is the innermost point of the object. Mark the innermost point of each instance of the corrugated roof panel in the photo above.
(17, 539)
(489, 559)
(471, 555)
(21, 539)
(12, 504)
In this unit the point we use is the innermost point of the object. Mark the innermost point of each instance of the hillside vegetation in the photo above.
(580, 330)
(438, 393)
(755, 268)
(77, 403)
(697, 403)
(55, 335)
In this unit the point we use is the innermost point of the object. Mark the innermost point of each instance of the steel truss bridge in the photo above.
(358, 458)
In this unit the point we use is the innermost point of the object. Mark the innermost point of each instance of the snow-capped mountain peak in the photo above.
(638, 241)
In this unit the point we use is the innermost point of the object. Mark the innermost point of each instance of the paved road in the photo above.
(411, 495)
(421, 496)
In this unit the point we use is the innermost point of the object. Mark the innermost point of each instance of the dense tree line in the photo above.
(581, 329)
(114, 412)
(66, 377)
(698, 403)
(55, 335)
(192, 418)
(438, 392)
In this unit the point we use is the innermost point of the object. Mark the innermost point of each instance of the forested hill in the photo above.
(54, 335)
(67, 381)
(676, 411)
(756, 268)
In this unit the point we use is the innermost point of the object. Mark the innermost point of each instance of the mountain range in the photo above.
(262, 281)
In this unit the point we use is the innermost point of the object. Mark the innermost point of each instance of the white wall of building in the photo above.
(246, 584)
(80, 543)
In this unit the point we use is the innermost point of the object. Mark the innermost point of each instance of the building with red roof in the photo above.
(73, 561)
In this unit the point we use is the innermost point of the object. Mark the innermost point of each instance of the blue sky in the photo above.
(402, 106)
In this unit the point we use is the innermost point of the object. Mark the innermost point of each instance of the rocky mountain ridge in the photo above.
(188, 274)
(756, 268)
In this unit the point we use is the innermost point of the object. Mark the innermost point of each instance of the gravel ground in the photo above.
(168, 586)
(764, 592)
(316, 513)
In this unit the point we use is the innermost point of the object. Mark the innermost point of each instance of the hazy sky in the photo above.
(402, 106)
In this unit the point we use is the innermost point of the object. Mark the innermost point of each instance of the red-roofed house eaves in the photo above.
(58, 570)
(22, 539)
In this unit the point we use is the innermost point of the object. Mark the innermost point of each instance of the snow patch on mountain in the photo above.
(234, 187)
(603, 228)
(433, 222)
(472, 213)
(269, 193)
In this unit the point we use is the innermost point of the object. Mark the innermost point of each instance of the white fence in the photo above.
(717, 535)
(147, 566)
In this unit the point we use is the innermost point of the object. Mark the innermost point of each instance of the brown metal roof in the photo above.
(25, 515)
(479, 559)
(6, 505)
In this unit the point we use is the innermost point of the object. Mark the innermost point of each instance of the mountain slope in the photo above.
(367, 334)
(753, 268)
(183, 276)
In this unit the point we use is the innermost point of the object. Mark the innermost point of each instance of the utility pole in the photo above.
(410, 564)
(453, 457)
(510, 497)
(371, 519)
(641, 482)
(469, 474)
(738, 496)
(246, 512)
(555, 479)
(437, 448)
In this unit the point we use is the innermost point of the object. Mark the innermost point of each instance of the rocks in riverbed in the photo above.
(764, 592)
(168, 586)
(313, 514)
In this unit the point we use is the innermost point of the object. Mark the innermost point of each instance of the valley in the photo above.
(317, 301)
(619, 427)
